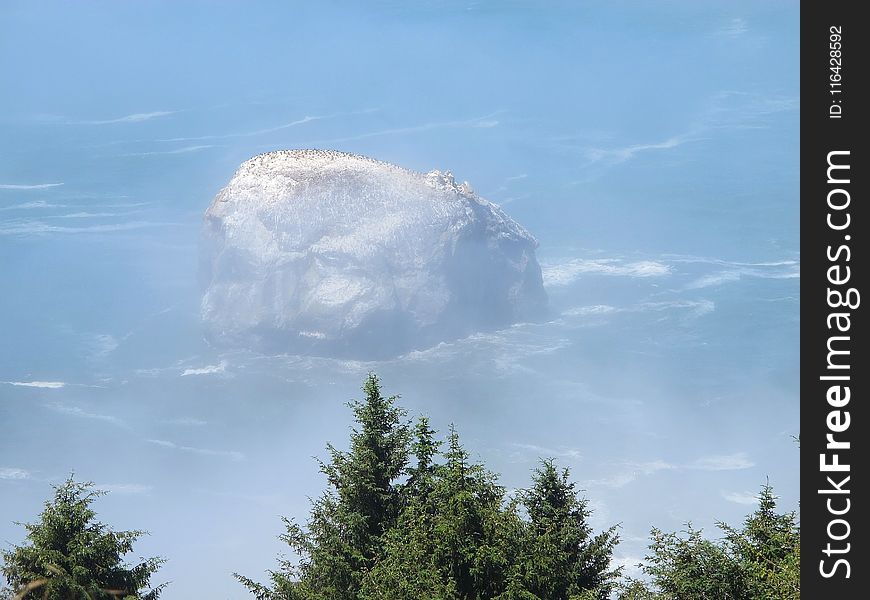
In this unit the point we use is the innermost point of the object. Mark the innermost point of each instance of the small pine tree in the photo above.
(759, 561)
(425, 448)
(633, 589)
(691, 567)
(69, 555)
(768, 549)
(563, 559)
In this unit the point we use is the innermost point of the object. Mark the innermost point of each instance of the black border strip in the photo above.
(834, 217)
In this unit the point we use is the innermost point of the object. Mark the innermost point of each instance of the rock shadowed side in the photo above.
(335, 254)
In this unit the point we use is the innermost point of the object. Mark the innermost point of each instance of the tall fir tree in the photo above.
(347, 523)
(470, 522)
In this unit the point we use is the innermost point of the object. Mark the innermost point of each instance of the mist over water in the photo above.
(640, 146)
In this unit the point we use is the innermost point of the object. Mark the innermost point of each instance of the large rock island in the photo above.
(329, 253)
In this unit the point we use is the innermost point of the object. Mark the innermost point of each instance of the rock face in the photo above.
(336, 254)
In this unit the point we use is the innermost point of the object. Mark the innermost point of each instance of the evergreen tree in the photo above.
(439, 528)
(768, 550)
(468, 533)
(563, 559)
(347, 523)
(69, 555)
(425, 449)
(691, 567)
(759, 561)
(457, 541)
(632, 589)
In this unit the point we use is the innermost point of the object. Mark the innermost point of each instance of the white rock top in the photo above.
(330, 252)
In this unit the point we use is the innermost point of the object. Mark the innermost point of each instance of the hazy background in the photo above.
(651, 147)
